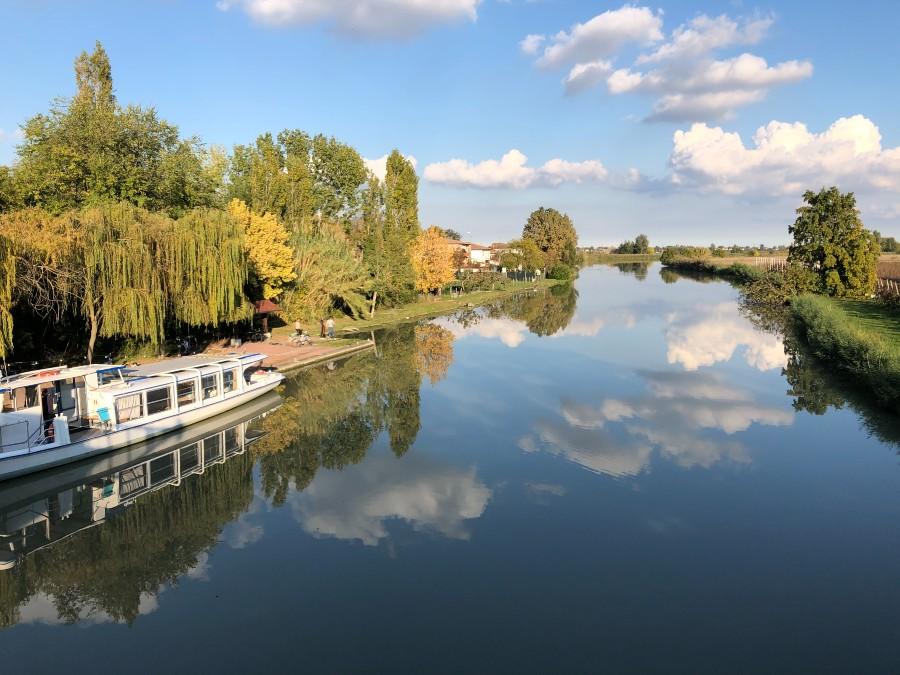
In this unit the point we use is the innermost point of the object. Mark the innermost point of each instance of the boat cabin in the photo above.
(61, 405)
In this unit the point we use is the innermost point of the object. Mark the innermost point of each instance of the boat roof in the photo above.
(186, 363)
(154, 374)
(44, 375)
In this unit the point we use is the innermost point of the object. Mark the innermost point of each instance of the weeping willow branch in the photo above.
(7, 284)
(206, 268)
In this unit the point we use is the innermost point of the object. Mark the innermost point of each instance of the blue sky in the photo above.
(658, 137)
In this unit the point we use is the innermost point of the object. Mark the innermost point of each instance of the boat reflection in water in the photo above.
(46, 508)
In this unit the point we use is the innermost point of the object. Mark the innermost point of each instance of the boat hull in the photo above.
(11, 467)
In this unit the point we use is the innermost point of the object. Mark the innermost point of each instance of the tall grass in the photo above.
(862, 338)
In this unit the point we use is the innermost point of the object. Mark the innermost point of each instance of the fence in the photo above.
(887, 286)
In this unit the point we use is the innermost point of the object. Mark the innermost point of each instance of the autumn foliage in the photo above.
(432, 260)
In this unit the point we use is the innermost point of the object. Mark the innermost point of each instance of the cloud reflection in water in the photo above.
(678, 416)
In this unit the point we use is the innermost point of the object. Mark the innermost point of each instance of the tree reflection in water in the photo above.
(329, 418)
(637, 269)
(814, 386)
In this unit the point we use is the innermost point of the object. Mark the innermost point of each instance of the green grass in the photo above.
(862, 338)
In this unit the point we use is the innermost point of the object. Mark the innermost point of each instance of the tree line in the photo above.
(113, 225)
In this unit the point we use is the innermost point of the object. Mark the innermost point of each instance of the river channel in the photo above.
(630, 475)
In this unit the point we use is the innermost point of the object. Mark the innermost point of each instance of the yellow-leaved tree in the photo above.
(432, 260)
(266, 243)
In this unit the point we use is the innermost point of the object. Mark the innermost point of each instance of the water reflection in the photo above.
(99, 540)
(705, 335)
(357, 503)
(638, 270)
(678, 415)
(433, 472)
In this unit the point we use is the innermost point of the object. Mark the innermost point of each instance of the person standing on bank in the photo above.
(297, 327)
(330, 326)
(321, 328)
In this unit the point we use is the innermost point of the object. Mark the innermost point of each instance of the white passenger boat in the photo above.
(59, 415)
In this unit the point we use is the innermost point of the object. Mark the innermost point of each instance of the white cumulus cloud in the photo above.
(704, 34)
(602, 36)
(366, 18)
(682, 74)
(785, 158)
(512, 171)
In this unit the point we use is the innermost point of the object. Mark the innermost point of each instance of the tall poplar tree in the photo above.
(401, 196)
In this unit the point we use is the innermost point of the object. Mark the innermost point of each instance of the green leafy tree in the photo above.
(524, 253)
(401, 200)
(887, 244)
(830, 240)
(90, 149)
(329, 274)
(554, 234)
(385, 250)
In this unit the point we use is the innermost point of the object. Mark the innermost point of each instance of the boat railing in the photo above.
(33, 439)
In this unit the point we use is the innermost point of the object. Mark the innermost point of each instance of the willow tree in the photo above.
(7, 283)
(329, 274)
(205, 267)
(124, 289)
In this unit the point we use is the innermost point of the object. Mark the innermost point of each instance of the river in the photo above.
(627, 476)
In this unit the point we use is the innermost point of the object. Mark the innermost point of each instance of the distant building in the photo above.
(476, 254)
(479, 255)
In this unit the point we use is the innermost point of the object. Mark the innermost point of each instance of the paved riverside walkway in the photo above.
(283, 355)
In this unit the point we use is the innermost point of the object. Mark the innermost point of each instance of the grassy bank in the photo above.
(737, 272)
(422, 309)
(860, 337)
(613, 258)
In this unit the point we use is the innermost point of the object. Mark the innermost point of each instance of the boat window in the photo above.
(212, 449)
(129, 408)
(187, 392)
(159, 400)
(228, 380)
(66, 390)
(107, 376)
(162, 469)
(190, 457)
(210, 386)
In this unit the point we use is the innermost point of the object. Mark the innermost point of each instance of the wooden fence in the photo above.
(887, 286)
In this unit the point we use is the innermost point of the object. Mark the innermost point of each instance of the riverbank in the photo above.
(739, 272)
(285, 356)
(613, 258)
(421, 310)
(859, 337)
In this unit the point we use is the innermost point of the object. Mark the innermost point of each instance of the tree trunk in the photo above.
(374, 299)
(92, 341)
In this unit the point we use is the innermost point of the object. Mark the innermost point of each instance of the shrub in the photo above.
(673, 255)
(777, 287)
(481, 281)
(743, 274)
(561, 272)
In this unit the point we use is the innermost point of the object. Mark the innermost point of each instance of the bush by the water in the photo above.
(482, 281)
(777, 287)
(860, 338)
(683, 254)
(561, 272)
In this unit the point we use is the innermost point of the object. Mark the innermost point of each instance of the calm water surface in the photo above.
(630, 477)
